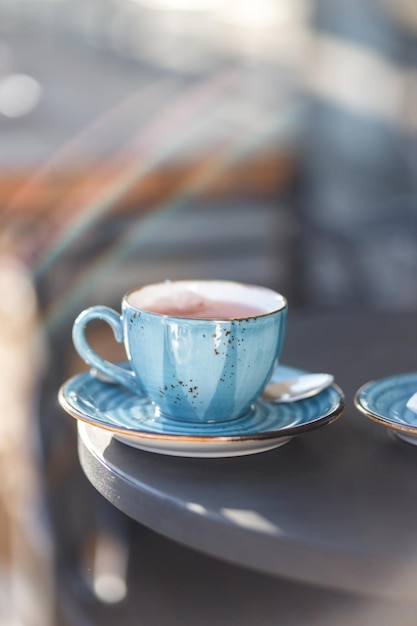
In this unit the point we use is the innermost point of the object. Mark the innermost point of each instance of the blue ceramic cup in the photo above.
(201, 351)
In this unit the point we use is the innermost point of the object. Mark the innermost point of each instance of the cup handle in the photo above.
(114, 372)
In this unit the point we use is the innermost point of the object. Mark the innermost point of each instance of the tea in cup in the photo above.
(200, 350)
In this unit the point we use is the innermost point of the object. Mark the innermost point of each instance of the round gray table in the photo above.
(336, 507)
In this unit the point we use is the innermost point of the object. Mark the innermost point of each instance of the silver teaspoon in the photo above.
(303, 386)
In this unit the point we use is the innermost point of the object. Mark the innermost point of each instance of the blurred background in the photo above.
(268, 141)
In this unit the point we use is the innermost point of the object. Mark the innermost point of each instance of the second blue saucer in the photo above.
(384, 401)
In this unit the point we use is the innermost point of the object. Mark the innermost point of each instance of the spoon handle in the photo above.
(412, 403)
(298, 388)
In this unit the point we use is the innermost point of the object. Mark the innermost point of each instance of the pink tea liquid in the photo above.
(193, 306)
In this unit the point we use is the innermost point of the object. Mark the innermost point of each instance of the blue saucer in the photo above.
(136, 422)
(384, 401)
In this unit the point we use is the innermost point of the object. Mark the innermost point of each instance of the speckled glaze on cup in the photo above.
(194, 370)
